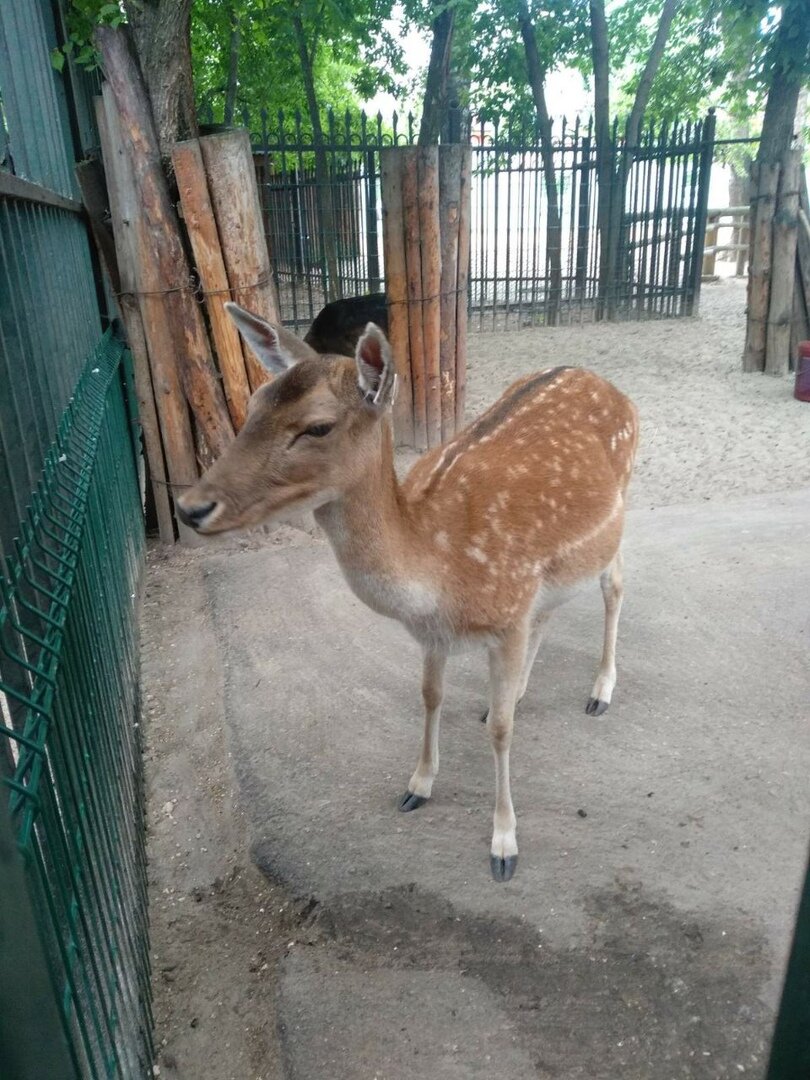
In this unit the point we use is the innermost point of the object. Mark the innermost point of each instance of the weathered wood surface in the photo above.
(174, 420)
(449, 210)
(199, 219)
(396, 280)
(413, 261)
(759, 278)
(462, 284)
(161, 264)
(429, 228)
(783, 266)
(235, 199)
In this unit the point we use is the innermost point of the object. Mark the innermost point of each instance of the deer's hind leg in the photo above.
(421, 783)
(506, 664)
(535, 640)
(612, 592)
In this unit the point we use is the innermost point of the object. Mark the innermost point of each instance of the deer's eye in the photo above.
(317, 431)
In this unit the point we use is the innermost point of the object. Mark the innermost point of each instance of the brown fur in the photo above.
(483, 538)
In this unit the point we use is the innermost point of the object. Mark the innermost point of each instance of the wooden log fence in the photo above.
(779, 275)
(193, 377)
(735, 218)
(426, 241)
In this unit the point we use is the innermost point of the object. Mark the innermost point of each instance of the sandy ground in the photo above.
(219, 928)
(708, 430)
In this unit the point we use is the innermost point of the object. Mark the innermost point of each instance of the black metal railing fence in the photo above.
(661, 185)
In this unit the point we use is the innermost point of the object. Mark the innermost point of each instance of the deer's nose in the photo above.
(194, 516)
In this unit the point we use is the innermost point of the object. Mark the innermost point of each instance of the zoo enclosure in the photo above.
(74, 974)
(662, 185)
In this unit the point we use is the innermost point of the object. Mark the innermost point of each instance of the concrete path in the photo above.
(661, 846)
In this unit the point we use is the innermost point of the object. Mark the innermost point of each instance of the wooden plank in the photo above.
(413, 262)
(783, 266)
(163, 273)
(396, 282)
(93, 186)
(235, 199)
(449, 199)
(759, 276)
(198, 216)
(174, 418)
(429, 232)
(465, 188)
(14, 187)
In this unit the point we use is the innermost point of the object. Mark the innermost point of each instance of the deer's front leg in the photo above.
(506, 664)
(421, 783)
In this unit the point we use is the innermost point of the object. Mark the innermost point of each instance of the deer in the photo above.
(486, 535)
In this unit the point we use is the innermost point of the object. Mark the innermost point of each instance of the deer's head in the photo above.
(310, 433)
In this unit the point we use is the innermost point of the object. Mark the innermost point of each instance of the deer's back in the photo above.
(530, 494)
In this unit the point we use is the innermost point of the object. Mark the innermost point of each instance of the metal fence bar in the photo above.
(71, 754)
(660, 188)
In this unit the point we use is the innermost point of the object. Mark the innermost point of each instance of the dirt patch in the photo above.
(708, 431)
(218, 927)
(221, 930)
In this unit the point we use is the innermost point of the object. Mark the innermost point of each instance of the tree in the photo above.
(161, 32)
(787, 64)
(536, 74)
(436, 84)
(612, 168)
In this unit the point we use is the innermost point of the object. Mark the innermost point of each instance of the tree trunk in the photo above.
(645, 84)
(233, 68)
(161, 30)
(322, 182)
(553, 229)
(611, 173)
(435, 102)
(788, 58)
(600, 52)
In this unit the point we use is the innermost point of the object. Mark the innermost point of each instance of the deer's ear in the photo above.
(263, 338)
(376, 374)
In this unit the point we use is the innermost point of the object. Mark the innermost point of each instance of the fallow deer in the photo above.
(484, 538)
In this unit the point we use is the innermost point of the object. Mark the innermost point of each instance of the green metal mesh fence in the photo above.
(69, 748)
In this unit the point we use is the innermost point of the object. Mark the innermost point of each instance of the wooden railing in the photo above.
(735, 218)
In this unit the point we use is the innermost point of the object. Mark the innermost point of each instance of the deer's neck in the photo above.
(378, 549)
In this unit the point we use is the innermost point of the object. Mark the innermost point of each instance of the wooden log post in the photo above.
(397, 290)
(465, 190)
(759, 277)
(101, 199)
(426, 236)
(235, 199)
(712, 231)
(201, 227)
(429, 228)
(801, 331)
(783, 266)
(162, 407)
(449, 210)
(163, 272)
(413, 263)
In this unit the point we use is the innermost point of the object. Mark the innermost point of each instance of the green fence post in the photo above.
(790, 1050)
(32, 1041)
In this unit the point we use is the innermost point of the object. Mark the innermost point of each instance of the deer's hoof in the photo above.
(409, 801)
(485, 717)
(595, 707)
(503, 869)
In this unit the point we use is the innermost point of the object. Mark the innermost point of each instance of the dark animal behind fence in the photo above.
(338, 327)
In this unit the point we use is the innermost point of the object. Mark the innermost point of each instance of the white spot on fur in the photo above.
(477, 554)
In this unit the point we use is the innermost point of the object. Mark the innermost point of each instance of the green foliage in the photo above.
(497, 60)
(83, 17)
(352, 54)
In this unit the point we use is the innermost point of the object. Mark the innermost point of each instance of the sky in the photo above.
(565, 92)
